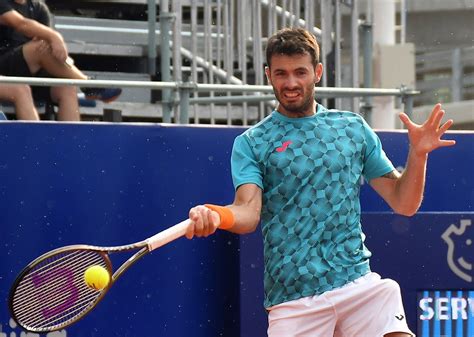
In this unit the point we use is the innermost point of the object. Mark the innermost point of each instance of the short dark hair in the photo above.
(291, 41)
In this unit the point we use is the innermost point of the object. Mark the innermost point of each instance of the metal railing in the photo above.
(241, 29)
(232, 35)
(184, 90)
(446, 75)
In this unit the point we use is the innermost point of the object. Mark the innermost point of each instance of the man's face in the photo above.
(293, 79)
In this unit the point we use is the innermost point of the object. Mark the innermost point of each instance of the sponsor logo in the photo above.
(399, 317)
(284, 146)
(459, 240)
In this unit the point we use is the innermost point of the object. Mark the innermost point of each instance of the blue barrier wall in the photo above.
(408, 250)
(105, 184)
(111, 184)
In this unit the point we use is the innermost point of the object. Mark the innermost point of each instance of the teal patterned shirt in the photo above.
(310, 171)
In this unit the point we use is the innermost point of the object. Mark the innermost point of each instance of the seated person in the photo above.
(29, 47)
(20, 96)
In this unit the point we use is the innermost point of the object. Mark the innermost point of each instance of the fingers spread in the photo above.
(437, 118)
(403, 116)
(445, 127)
(447, 142)
(405, 120)
(434, 113)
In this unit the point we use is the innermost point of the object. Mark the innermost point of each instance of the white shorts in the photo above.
(366, 307)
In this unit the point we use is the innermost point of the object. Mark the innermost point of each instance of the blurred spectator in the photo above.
(29, 47)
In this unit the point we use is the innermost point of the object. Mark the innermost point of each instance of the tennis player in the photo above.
(298, 172)
(29, 47)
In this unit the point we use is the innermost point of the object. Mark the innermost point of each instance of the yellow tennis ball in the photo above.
(96, 277)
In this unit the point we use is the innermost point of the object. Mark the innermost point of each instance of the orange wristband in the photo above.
(226, 215)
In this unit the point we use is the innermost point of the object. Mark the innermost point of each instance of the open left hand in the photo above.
(427, 137)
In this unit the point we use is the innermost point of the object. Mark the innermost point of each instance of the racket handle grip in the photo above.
(168, 235)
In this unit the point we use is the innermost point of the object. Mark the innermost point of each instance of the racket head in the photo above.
(50, 293)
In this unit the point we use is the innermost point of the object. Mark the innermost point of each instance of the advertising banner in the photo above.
(113, 184)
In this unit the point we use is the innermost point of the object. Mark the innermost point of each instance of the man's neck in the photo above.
(310, 112)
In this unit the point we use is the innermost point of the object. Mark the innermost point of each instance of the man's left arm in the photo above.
(404, 192)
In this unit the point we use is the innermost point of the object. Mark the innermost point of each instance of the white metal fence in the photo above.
(446, 76)
(223, 43)
(185, 90)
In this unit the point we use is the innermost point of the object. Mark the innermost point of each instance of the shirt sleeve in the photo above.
(5, 7)
(376, 162)
(244, 165)
(43, 15)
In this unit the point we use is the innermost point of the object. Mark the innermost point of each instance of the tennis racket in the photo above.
(50, 293)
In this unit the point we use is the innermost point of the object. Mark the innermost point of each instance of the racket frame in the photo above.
(144, 247)
(44, 257)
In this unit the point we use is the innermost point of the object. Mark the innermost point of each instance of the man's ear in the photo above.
(318, 71)
(269, 77)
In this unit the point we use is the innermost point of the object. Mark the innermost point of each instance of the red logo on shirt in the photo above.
(284, 146)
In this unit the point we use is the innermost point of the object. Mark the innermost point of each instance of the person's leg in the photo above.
(20, 95)
(66, 98)
(37, 58)
(308, 316)
(370, 306)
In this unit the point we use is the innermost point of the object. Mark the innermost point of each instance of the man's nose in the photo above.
(291, 82)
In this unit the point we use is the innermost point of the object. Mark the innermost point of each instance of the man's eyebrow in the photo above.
(296, 69)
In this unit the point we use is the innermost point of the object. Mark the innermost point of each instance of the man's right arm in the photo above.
(246, 209)
(33, 29)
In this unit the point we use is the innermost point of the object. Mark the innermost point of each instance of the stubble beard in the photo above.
(295, 108)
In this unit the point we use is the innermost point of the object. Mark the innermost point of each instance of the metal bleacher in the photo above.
(128, 39)
(108, 38)
(217, 43)
(104, 38)
(214, 42)
(93, 36)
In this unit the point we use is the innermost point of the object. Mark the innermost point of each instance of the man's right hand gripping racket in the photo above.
(50, 293)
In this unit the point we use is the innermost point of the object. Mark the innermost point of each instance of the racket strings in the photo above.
(53, 288)
(60, 291)
(58, 258)
(60, 318)
(27, 287)
(54, 292)
(70, 314)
